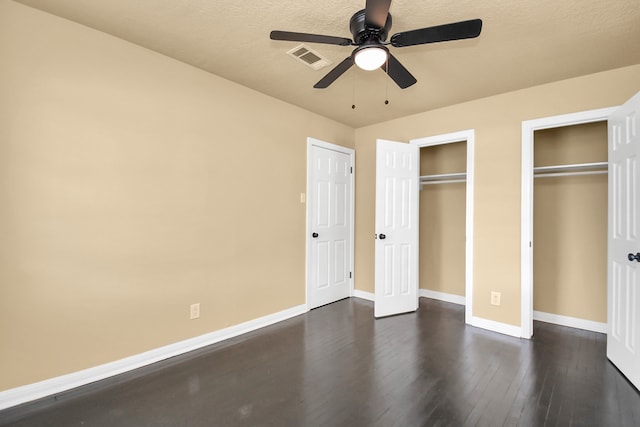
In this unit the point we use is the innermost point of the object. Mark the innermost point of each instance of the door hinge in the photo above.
(350, 276)
(351, 169)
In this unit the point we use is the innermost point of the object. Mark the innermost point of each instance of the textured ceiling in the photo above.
(523, 43)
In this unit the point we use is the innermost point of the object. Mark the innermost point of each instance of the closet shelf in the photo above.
(594, 168)
(444, 178)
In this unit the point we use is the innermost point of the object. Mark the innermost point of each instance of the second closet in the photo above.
(570, 222)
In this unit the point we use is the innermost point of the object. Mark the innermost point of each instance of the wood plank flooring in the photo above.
(337, 366)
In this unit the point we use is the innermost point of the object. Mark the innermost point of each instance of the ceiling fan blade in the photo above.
(376, 12)
(309, 38)
(439, 33)
(398, 73)
(338, 70)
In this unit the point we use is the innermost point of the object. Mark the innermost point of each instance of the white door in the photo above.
(396, 246)
(623, 289)
(329, 261)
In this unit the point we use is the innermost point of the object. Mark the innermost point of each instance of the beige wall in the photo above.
(131, 186)
(442, 220)
(570, 225)
(497, 121)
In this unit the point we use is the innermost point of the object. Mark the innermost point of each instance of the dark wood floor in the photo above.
(337, 366)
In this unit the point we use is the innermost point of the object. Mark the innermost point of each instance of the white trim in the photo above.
(30, 392)
(364, 295)
(352, 154)
(442, 296)
(572, 322)
(491, 325)
(526, 225)
(468, 136)
(422, 293)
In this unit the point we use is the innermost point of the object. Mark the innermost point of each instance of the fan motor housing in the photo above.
(363, 33)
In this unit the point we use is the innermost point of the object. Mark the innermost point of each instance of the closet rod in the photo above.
(443, 176)
(577, 173)
(571, 168)
(444, 181)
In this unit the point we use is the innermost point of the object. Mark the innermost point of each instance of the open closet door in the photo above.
(396, 247)
(623, 290)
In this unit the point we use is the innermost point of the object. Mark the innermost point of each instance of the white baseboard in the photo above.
(492, 325)
(478, 322)
(572, 322)
(30, 392)
(364, 295)
(455, 299)
(442, 296)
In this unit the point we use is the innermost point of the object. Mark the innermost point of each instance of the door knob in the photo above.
(314, 235)
(382, 236)
(633, 257)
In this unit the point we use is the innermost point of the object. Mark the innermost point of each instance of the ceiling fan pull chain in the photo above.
(386, 86)
(385, 68)
(353, 91)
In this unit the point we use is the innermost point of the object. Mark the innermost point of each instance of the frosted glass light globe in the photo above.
(370, 58)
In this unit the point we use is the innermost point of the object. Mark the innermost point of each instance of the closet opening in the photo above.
(529, 127)
(570, 226)
(446, 219)
(442, 221)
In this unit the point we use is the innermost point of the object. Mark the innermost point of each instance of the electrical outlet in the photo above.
(495, 298)
(195, 311)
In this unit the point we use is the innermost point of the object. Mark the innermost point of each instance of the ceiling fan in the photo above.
(370, 28)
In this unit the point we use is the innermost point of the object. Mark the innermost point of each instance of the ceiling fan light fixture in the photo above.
(370, 27)
(370, 57)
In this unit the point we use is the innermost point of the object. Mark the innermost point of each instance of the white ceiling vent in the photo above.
(309, 57)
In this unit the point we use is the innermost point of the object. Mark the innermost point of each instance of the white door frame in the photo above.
(526, 227)
(467, 136)
(311, 142)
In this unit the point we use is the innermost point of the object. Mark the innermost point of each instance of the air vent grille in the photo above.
(309, 57)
